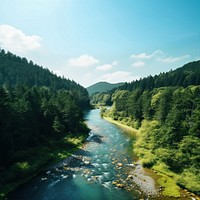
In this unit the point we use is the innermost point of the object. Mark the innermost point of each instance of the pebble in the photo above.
(87, 162)
(114, 182)
(130, 176)
(119, 164)
(119, 185)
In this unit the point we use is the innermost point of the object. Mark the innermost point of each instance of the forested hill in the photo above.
(41, 119)
(184, 76)
(102, 87)
(15, 71)
(166, 111)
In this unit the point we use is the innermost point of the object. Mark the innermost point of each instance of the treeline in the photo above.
(169, 123)
(15, 70)
(184, 76)
(31, 116)
(168, 119)
(41, 119)
(101, 99)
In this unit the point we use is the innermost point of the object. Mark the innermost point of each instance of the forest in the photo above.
(167, 116)
(41, 118)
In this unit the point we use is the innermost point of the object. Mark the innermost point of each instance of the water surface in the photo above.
(90, 173)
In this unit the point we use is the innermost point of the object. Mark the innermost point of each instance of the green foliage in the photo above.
(102, 87)
(184, 76)
(190, 180)
(169, 186)
(166, 110)
(16, 71)
(101, 99)
(168, 121)
(33, 160)
(37, 108)
(20, 169)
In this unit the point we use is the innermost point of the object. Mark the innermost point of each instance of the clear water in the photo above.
(89, 173)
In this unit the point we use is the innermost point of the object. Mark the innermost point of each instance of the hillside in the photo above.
(184, 76)
(102, 87)
(15, 70)
(166, 111)
(41, 119)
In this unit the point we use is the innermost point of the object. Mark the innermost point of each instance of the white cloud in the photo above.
(138, 64)
(146, 56)
(118, 76)
(107, 67)
(172, 59)
(83, 61)
(16, 41)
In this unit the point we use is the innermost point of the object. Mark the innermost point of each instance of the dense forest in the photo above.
(101, 99)
(166, 110)
(39, 113)
(184, 76)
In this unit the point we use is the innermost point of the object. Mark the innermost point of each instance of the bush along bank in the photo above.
(168, 140)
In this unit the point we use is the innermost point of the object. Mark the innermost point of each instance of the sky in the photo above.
(102, 40)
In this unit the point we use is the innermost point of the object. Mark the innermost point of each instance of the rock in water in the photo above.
(119, 164)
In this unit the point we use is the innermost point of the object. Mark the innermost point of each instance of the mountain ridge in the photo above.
(102, 86)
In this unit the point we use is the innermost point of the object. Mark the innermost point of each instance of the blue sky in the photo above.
(102, 40)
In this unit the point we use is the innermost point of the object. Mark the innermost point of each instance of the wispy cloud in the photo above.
(173, 59)
(106, 67)
(156, 56)
(142, 56)
(118, 76)
(83, 61)
(138, 64)
(17, 41)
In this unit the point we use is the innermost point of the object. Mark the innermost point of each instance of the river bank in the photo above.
(91, 172)
(155, 182)
(102, 169)
(143, 181)
(124, 126)
(47, 155)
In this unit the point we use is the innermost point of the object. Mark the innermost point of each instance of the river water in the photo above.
(90, 173)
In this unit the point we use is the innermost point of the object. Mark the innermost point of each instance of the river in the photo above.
(97, 172)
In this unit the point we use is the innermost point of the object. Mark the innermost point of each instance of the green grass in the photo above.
(190, 180)
(34, 160)
(122, 125)
(151, 156)
(168, 180)
(170, 188)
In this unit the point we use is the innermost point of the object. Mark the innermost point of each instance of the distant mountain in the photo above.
(102, 87)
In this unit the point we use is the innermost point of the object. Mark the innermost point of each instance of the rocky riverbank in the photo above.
(146, 180)
(129, 176)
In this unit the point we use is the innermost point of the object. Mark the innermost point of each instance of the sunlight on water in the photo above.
(90, 173)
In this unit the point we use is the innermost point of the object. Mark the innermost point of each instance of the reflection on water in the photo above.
(99, 171)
